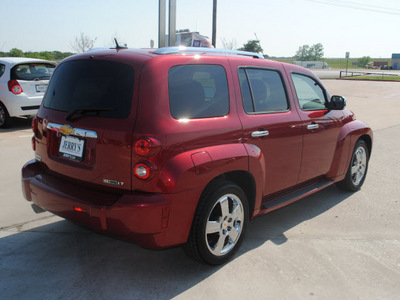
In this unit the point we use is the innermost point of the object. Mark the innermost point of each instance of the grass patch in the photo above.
(377, 78)
(336, 63)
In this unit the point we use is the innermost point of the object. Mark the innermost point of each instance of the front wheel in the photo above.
(219, 224)
(358, 168)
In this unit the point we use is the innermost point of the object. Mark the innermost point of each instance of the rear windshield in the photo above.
(2, 68)
(104, 87)
(32, 71)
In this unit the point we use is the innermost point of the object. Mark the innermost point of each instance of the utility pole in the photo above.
(172, 23)
(214, 24)
(162, 10)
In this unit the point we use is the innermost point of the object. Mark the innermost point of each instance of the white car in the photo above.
(23, 82)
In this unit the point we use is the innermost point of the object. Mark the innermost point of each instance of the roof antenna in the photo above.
(117, 46)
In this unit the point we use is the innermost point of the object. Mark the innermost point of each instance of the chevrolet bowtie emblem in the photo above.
(66, 129)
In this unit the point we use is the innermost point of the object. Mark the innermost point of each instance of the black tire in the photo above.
(5, 119)
(223, 212)
(358, 168)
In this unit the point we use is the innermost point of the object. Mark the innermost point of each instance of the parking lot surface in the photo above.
(331, 245)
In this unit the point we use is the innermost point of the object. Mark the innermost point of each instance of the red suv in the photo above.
(183, 146)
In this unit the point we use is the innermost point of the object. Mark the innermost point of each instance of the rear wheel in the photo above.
(219, 224)
(5, 118)
(358, 168)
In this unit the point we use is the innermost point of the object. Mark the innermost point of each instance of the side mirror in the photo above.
(337, 103)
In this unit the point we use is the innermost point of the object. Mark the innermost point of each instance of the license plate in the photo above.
(71, 147)
(41, 88)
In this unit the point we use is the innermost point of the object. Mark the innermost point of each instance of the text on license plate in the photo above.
(41, 88)
(71, 147)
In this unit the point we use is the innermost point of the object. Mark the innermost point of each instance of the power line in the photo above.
(366, 5)
(357, 6)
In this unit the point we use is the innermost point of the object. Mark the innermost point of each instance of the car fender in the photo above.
(347, 139)
(196, 168)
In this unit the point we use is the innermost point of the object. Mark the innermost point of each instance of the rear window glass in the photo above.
(103, 87)
(2, 68)
(198, 91)
(262, 91)
(32, 71)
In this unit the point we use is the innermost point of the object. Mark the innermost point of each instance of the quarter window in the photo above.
(198, 91)
(310, 94)
(262, 91)
(2, 68)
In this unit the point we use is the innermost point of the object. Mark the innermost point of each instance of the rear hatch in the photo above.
(33, 77)
(86, 121)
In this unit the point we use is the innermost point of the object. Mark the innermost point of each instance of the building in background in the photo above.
(396, 61)
(187, 38)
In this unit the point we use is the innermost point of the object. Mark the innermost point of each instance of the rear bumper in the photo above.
(139, 217)
(21, 105)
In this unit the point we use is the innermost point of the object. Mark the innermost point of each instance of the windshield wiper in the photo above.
(85, 110)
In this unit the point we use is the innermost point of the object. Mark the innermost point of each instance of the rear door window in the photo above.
(32, 71)
(198, 91)
(96, 88)
(262, 91)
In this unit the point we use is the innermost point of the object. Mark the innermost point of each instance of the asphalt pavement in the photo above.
(331, 245)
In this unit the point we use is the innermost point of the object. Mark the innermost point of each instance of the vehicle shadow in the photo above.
(61, 260)
(18, 124)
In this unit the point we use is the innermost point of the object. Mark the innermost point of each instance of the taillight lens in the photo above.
(147, 146)
(33, 143)
(142, 171)
(34, 124)
(143, 147)
(34, 129)
(14, 87)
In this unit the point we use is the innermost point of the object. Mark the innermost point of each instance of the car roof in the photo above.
(18, 60)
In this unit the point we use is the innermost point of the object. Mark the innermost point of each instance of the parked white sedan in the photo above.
(23, 82)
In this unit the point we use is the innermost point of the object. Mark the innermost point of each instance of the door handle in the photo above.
(259, 133)
(312, 126)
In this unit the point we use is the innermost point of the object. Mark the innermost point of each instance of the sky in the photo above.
(361, 27)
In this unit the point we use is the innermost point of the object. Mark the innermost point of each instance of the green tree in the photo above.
(303, 53)
(317, 51)
(364, 61)
(14, 52)
(252, 46)
(307, 52)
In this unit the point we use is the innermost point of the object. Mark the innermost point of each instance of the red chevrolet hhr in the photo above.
(183, 146)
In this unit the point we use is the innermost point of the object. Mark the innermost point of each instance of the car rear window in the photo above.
(198, 91)
(104, 87)
(32, 71)
(2, 68)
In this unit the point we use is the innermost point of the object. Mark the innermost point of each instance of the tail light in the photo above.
(14, 87)
(147, 146)
(34, 129)
(33, 143)
(34, 124)
(142, 171)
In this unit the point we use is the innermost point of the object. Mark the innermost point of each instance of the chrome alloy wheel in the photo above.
(224, 225)
(358, 165)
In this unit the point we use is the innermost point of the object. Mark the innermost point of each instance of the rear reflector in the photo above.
(165, 217)
(78, 209)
